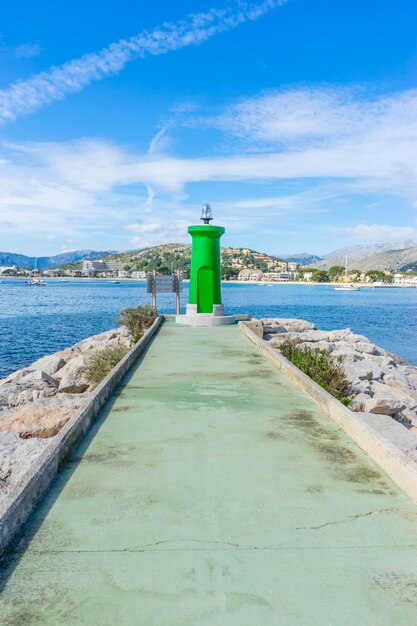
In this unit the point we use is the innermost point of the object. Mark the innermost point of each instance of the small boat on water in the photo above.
(347, 286)
(36, 282)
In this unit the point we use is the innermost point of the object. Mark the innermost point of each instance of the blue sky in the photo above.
(296, 119)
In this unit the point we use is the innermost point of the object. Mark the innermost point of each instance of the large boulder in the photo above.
(366, 347)
(359, 386)
(354, 338)
(346, 352)
(36, 421)
(291, 325)
(71, 376)
(51, 363)
(16, 456)
(384, 403)
(359, 402)
(340, 335)
(393, 376)
(36, 377)
(364, 370)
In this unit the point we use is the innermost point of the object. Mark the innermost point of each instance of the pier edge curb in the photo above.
(401, 469)
(25, 495)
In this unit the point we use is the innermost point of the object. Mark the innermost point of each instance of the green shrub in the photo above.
(137, 319)
(321, 367)
(102, 362)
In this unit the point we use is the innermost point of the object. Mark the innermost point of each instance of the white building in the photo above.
(400, 279)
(138, 274)
(250, 275)
(10, 269)
(101, 267)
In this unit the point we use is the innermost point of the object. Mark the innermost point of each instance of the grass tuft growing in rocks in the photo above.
(102, 362)
(137, 319)
(321, 367)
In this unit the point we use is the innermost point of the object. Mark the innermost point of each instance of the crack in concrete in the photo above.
(350, 518)
(221, 545)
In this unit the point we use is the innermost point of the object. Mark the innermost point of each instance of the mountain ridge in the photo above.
(384, 256)
(47, 262)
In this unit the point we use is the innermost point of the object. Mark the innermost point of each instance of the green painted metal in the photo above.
(212, 492)
(205, 275)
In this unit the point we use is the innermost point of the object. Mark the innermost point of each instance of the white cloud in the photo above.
(26, 96)
(319, 116)
(153, 233)
(90, 184)
(380, 232)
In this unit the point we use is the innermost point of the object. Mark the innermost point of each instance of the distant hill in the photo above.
(395, 256)
(46, 262)
(177, 256)
(389, 261)
(364, 251)
(302, 258)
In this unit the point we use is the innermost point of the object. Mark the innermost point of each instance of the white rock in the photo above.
(51, 363)
(366, 347)
(340, 335)
(354, 338)
(16, 456)
(392, 376)
(346, 354)
(359, 386)
(290, 324)
(38, 375)
(70, 384)
(384, 403)
(359, 402)
(73, 368)
(364, 370)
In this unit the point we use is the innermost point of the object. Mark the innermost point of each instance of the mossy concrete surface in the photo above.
(212, 491)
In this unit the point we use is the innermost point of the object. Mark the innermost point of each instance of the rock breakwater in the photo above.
(37, 401)
(380, 383)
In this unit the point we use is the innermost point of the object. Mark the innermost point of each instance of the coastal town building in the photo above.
(91, 268)
(404, 279)
(8, 269)
(308, 276)
(251, 275)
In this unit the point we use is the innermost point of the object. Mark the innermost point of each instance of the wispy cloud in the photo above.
(26, 96)
(365, 169)
(27, 51)
(380, 232)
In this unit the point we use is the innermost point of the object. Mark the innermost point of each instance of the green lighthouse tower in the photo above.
(205, 306)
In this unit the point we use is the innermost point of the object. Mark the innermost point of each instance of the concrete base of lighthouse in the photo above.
(217, 318)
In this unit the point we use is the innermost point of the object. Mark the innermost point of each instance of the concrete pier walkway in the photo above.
(212, 492)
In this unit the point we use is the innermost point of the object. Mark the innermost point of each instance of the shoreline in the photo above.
(71, 279)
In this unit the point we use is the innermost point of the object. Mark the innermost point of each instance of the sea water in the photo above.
(35, 321)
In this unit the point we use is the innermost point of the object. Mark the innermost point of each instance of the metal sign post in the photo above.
(177, 291)
(165, 283)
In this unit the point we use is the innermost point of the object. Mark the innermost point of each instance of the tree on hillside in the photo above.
(377, 275)
(320, 276)
(228, 272)
(335, 271)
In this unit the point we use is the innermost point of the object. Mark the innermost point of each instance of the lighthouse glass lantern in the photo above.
(206, 214)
